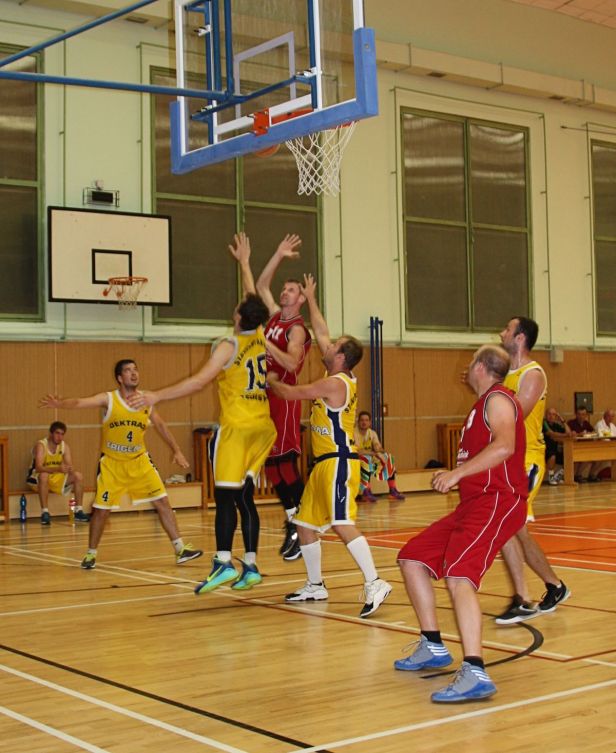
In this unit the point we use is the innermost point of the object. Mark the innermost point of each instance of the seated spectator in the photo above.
(581, 427)
(52, 471)
(605, 427)
(374, 460)
(554, 429)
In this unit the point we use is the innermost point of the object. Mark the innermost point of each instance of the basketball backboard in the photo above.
(279, 69)
(87, 247)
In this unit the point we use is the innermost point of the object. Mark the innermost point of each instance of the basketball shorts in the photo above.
(329, 496)
(58, 483)
(286, 415)
(237, 452)
(535, 472)
(464, 543)
(137, 477)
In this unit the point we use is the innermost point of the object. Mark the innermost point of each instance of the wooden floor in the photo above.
(125, 658)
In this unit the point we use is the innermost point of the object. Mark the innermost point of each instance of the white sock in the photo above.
(291, 512)
(44, 509)
(312, 560)
(223, 556)
(360, 551)
(250, 558)
(178, 545)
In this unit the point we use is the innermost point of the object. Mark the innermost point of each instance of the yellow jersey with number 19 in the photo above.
(123, 434)
(535, 444)
(332, 428)
(241, 384)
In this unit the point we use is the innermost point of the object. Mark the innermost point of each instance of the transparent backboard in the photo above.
(87, 247)
(275, 69)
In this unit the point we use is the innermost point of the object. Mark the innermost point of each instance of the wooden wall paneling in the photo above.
(398, 381)
(400, 441)
(28, 374)
(573, 375)
(439, 393)
(204, 405)
(161, 454)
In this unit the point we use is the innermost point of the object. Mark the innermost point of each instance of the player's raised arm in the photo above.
(69, 403)
(240, 250)
(319, 325)
(286, 250)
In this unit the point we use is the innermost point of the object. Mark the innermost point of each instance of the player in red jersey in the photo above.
(461, 546)
(287, 342)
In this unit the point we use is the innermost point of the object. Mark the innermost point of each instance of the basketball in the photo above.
(268, 151)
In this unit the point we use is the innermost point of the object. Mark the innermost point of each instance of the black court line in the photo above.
(162, 699)
(536, 643)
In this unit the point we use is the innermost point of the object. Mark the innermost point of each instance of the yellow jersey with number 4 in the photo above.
(241, 383)
(123, 434)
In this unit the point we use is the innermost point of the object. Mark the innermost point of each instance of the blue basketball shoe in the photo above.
(470, 683)
(249, 578)
(222, 572)
(427, 655)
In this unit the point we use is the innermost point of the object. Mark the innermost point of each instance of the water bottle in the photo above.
(23, 514)
(71, 511)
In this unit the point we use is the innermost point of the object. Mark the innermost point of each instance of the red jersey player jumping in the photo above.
(287, 342)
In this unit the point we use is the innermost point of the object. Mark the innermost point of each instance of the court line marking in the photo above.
(456, 718)
(124, 712)
(82, 744)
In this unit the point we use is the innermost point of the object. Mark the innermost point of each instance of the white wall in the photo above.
(104, 134)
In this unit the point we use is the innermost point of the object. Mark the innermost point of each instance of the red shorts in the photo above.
(464, 543)
(286, 415)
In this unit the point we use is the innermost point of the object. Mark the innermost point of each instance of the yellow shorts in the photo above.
(329, 496)
(238, 452)
(137, 477)
(535, 472)
(57, 483)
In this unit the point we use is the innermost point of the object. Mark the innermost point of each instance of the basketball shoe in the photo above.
(221, 573)
(88, 562)
(250, 577)
(309, 592)
(518, 611)
(427, 655)
(375, 594)
(187, 553)
(470, 683)
(552, 597)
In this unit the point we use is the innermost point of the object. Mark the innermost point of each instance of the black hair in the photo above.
(529, 328)
(253, 312)
(119, 367)
(57, 425)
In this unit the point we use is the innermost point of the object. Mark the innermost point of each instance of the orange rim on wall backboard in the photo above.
(308, 65)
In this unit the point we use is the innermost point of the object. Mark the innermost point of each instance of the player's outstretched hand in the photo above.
(286, 247)
(142, 399)
(50, 401)
(309, 288)
(241, 250)
(444, 481)
(179, 458)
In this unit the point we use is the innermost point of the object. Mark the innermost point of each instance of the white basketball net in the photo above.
(318, 157)
(126, 290)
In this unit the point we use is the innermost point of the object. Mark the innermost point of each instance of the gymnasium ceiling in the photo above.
(602, 12)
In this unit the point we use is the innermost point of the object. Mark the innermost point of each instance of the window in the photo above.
(207, 206)
(604, 231)
(466, 222)
(20, 194)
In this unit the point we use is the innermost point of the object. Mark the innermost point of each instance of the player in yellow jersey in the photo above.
(125, 464)
(52, 471)
(329, 497)
(527, 379)
(246, 434)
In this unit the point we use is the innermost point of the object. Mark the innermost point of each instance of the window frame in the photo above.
(38, 185)
(466, 121)
(598, 238)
